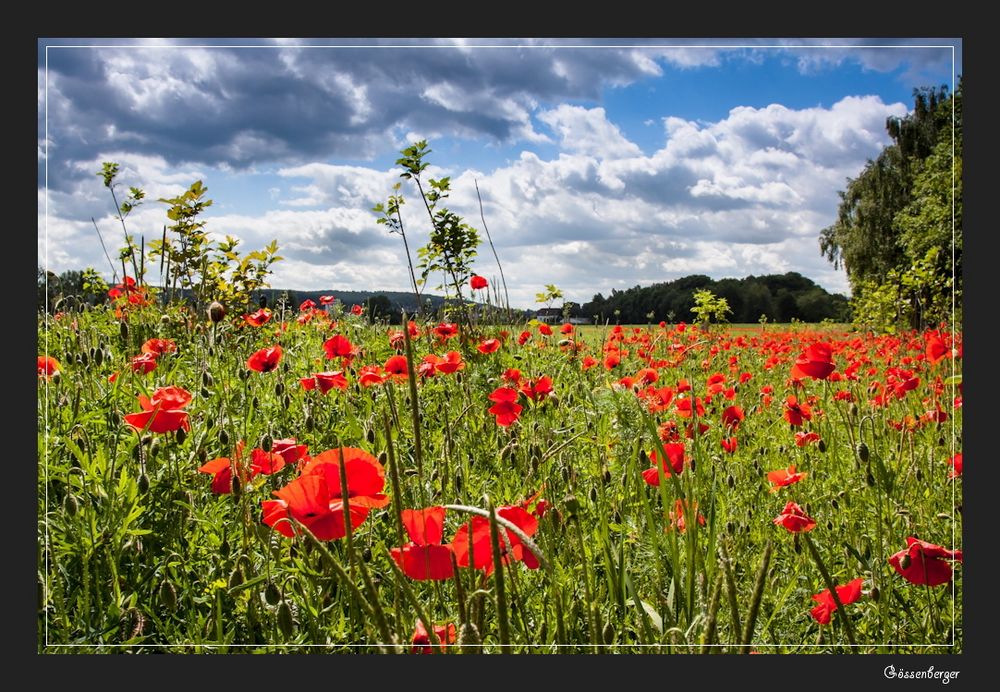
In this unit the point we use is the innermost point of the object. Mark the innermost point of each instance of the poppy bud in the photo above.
(607, 476)
(244, 374)
(608, 634)
(224, 547)
(56, 377)
(236, 578)
(255, 402)
(874, 594)
(565, 473)
(181, 435)
(123, 330)
(730, 481)
(458, 482)
(309, 422)
(211, 351)
(82, 358)
(366, 554)
(370, 436)
(571, 504)
(730, 528)
(154, 447)
(821, 445)
(165, 319)
(71, 505)
(143, 483)
(272, 594)
(223, 437)
(796, 545)
(920, 475)
(168, 595)
(285, 621)
(216, 311)
(266, 442)
(206, 379)
(98, 356)
(468, 637)
(853, 409)
(133, 623)
(593, 494)
(205, 393)
(863, 453)
(870, 479)
(834, 503)
(237, 487)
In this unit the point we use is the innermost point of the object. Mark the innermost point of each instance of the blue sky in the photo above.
(602, 165)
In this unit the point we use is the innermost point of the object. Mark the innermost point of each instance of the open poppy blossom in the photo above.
(956, 466)
(523, 338)
(289, 450)
(162, 412)
(315, 500)
(481, 546)
(329, 380)
(794, 519)
(783, 477)
(445, 330)
(259, 318)
(48, 366)
(397, 368)
(657, 399)
(803, 438)
(261, 462)
(848, 593)
(732, 416)
(144, 363)
(421, 641)
(265, 360)
(924, 563)
(544, 329)
(816, 362)
(488, 346)
(452, 362)
(477, 282)
(424, 557)
(371, 375)
(729, 444)
(159, 346)
(339, 346)
(506, 409)
(795, 412)
(307, 304)
(537, 390)
(326, 300)
(935, 348)
(357, 309)
(674, 462)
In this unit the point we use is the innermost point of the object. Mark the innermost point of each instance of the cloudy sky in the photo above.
(601, 164)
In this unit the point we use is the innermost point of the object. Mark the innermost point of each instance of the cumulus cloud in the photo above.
(577, 204)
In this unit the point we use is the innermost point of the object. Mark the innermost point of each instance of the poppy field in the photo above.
(312, 480)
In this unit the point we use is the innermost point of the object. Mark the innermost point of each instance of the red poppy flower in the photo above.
(783, 477)
(339, 346)
(816, 362)
(356, 309)
(523, 337)
(307, 304)
(482, 548)
(537, 390)
(428, 366)
(935, 348)
(445, 330)
(397, 368)
(732, 416)
(159, 346)
(729, 444)
(489, 346)
(424, 557)
(289, 450)
(566, 328)
(612, 360)
(848, 593)
(677, 515)
(452, 363)
(657, 398)
(477, 282)
(544, 329)
(265, 360)
(684, 407)
(795, 412)
(805, 438)
(674, 462)
(540, 505)
(144, 363)
(588, 362)
(956, 466)
(371, 375)
(506, 409)
(794, 519)
(315, 498)
(421, 641)
(511, 375)
(329, 380)
(924, 563)
(259, 318)
(48, 366)
(326, 300)
(162, 412)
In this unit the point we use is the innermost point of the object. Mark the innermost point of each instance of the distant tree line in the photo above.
(778, 297)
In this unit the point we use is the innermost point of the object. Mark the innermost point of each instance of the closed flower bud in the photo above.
(821, 445)
(272, 594)
(168, 595)
(71, 505)
(571, 504)
(143, 483)
(206, 379)
(279, 388)
(266, 442)
(468, 637)
(863, 453)
(216, 311)
(98, 356)
(181, 435)
(236, 578)
(870, 479)
(608, 634)
(853, 409)
(370, 436)
(223, 437)
(593, 494)
(286, 624)
(123, 330)
(874, 593)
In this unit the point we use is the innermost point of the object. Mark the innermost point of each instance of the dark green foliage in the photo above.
(781, 297)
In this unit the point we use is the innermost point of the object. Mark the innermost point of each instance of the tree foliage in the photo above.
(894, 234)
